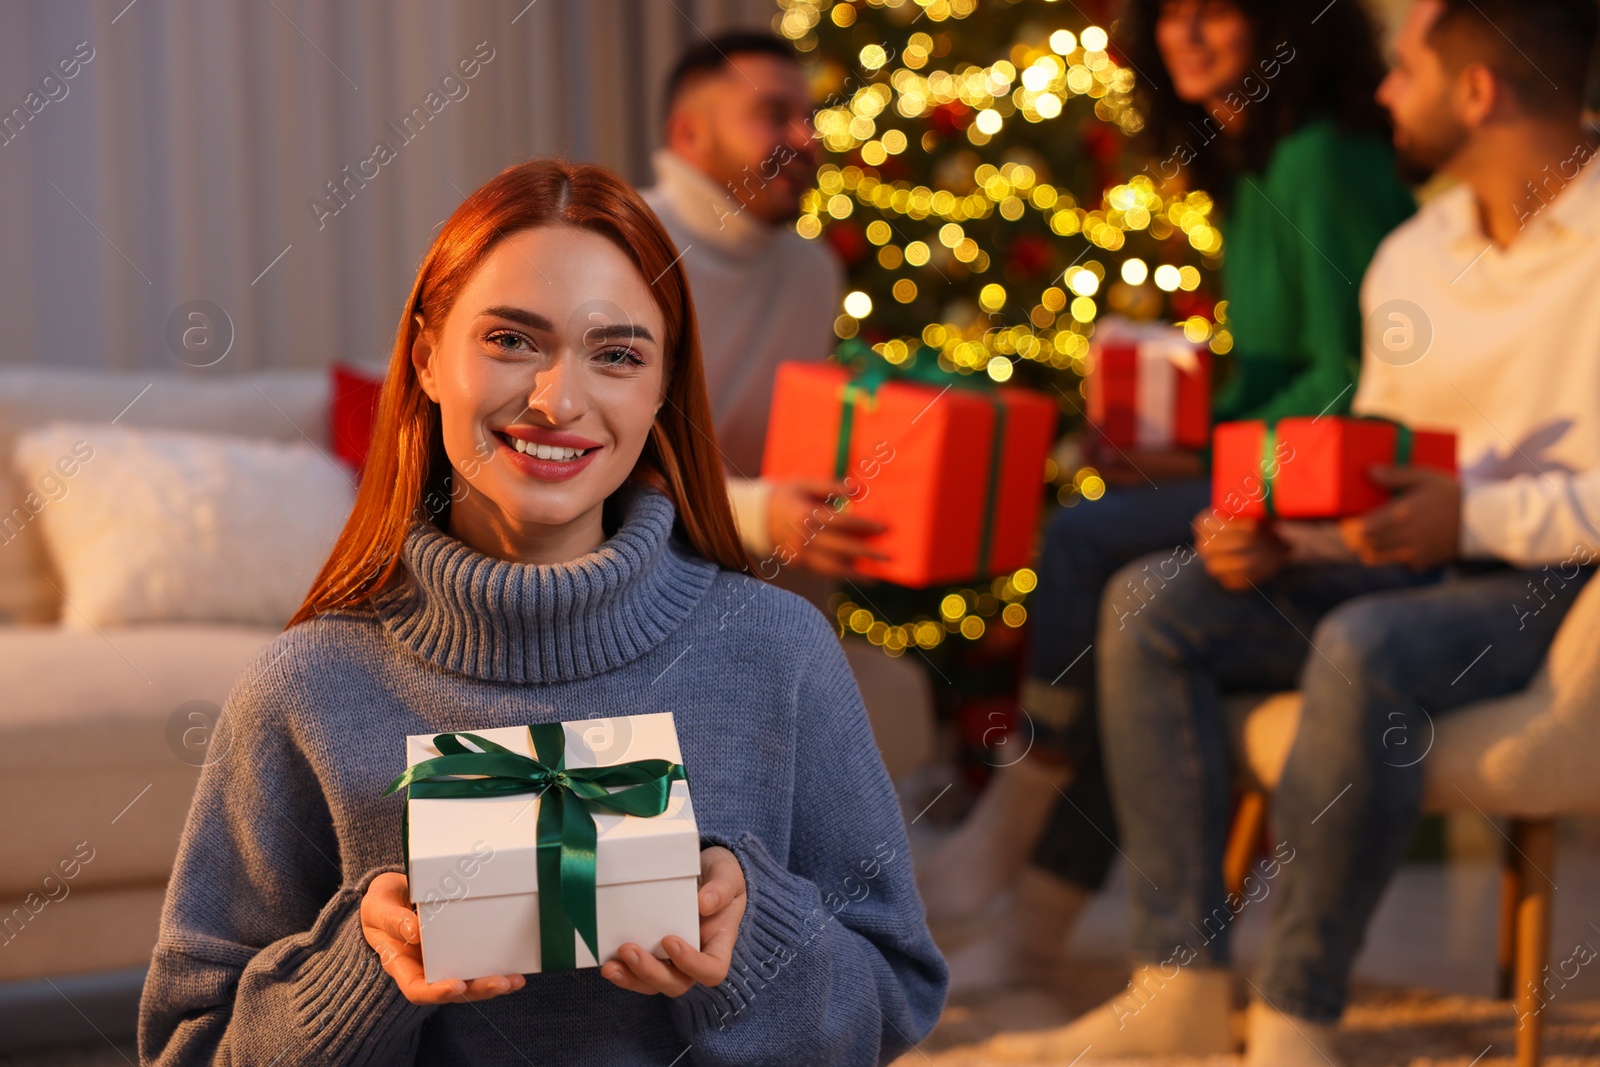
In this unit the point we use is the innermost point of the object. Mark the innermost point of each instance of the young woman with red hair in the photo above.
(541, 534)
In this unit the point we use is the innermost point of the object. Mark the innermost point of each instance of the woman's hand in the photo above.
(722, 901)
(391, 929)
(1241, 553)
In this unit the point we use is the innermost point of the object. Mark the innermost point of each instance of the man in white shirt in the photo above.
(740, 153)
(1482, 320)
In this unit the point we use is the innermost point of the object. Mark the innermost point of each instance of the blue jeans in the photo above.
(1084, 546)
(1379, 655)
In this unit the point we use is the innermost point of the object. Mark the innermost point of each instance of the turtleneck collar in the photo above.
(514, 622)
(711, 213)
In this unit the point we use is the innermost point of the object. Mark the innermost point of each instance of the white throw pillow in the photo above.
(168, 525)
(287, 406)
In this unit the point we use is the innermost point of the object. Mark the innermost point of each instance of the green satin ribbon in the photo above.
(870, 370)
(1403, 444)
(1269, 455)
(565, 835)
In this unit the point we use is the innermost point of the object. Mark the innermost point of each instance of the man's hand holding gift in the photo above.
(1419, 527)
(802, 517)
(722, 902)
(864, 485)
(1391, 494)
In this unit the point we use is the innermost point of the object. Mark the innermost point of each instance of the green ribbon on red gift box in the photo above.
(565, 835)
(1269, 448)
(869, 370)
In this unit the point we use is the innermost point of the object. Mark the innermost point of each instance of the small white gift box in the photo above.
(474, 874)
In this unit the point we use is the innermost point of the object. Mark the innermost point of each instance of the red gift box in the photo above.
(1150, 387)
(1315, 468)
(351, 413)
(921, 459)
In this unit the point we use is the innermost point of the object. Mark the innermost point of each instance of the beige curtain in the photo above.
(162, 152)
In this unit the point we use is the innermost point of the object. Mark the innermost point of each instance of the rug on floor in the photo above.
(1384, 1027)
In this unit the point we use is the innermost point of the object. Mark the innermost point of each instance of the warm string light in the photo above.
(798, 18)
(1060, 338)
(965, 613)
(1070, 65)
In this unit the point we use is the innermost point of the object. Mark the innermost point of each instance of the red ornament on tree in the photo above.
(984, 723)
(1105, 148)
(1188, 304)
(950, 118)
(892, 169)
(847, 240)
(1102, 143)
(1028, 257)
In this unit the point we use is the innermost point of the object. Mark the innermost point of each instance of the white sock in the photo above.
(1171, 1011)
(1025, 943)
(987, 850)
(1279, 1040)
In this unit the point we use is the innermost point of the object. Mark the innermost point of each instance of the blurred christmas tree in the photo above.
(980, 182)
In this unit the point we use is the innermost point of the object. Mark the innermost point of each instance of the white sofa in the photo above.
(88, 762)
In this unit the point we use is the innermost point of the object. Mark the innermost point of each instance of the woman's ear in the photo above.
(422, 360)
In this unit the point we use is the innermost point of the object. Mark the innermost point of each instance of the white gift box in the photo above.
(474, 872)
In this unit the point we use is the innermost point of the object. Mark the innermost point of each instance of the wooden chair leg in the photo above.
(1505, 955)
(1243, 840)
(1536, 856)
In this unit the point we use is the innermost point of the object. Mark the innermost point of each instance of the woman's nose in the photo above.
(559, 391)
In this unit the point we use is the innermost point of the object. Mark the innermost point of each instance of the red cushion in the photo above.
(353, 409)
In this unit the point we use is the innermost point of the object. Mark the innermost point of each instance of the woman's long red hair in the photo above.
(409, 477)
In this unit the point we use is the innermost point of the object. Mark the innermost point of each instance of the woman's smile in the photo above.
(546, 454)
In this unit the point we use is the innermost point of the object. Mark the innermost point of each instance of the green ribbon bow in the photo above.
(566, 834)
(870, 370)
(1269, 448)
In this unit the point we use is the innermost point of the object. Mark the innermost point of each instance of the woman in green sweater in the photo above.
(1269, 107)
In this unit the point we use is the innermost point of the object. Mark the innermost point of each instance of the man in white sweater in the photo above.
(740, 153)
(1482, 320)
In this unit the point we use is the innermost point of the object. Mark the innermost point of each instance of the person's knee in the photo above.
(1362, 640)
(1123, 604)
(1357, 680)
(1146, 632)
(1145, 592)
(1147, 610)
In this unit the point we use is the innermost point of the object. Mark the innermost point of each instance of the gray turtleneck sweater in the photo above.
(261, 959)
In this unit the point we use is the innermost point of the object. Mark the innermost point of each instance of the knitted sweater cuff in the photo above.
(782, 913)
(340, 993)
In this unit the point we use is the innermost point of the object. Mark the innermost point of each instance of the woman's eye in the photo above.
(509, 341)
(619, 357)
